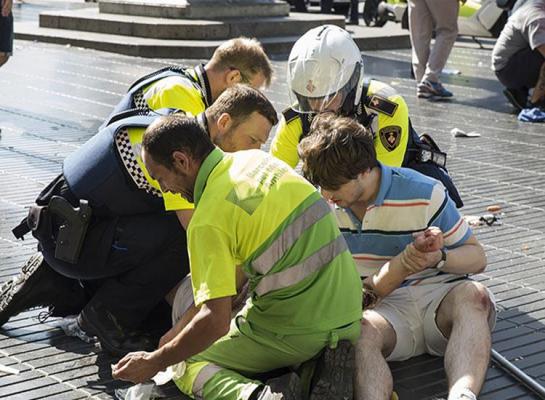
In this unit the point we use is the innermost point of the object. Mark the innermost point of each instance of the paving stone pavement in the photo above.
(52, 99)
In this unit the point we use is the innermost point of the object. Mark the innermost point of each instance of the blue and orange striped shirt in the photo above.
(407, 202)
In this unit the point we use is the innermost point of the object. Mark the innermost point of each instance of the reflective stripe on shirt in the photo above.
(297, 273)
(266, 261)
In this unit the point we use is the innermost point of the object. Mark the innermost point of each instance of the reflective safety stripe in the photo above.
(297, 273)
(204, 376)
(266, 261)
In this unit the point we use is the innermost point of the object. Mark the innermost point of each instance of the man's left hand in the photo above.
(136, 367)
(430, 240)
(425, 252)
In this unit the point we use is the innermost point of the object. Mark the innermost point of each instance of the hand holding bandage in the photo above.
(424, 252)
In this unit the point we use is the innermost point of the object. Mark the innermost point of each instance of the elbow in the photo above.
(221, 328)
(217, 325)
(482, 263)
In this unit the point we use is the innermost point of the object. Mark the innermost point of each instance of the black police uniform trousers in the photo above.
(131, 261)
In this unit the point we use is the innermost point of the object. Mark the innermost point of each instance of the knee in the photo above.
(448, 33)
(475, 296)
(372, 338)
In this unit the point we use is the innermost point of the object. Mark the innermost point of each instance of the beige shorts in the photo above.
(411, 311)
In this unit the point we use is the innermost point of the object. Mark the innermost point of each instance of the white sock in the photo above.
(461, 394)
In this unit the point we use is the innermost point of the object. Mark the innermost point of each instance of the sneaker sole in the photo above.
(10, 289)
(334, 376)
(424, 95)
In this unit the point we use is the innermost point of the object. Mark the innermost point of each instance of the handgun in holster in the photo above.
(75, 221)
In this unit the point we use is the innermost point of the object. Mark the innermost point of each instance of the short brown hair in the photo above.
(240, 101)
(336, 150)
(246, 55)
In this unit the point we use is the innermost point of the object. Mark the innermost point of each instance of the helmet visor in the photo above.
(315, 89)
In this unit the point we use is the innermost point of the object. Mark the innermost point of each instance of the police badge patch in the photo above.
(390, 137)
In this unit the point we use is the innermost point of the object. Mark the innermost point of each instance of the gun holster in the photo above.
(428, 151)
(36, 220)
(73, 228)
(74, 224)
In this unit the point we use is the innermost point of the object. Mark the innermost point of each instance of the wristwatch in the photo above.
(441, 262)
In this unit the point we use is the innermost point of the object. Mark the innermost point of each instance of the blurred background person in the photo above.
(426, 17)
(6, 31)
(519, 54)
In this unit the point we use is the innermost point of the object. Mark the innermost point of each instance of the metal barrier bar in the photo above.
(517, 373)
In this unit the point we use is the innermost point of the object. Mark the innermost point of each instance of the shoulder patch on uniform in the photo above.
(390, 136)
(289, 114)
(381, 104)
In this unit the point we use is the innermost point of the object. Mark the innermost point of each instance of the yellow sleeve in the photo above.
(174, 92)
(286, 139)
(213, 266)
(392, 134)
(175, 202)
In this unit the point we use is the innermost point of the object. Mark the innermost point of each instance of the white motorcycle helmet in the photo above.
(325, 71)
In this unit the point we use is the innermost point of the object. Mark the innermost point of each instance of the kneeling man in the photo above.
(255, 219)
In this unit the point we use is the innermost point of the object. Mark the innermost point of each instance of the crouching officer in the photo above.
(102, 223)
(325, 73)
(239, 60)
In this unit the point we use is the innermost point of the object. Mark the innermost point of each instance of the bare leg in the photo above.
(373, 379)
(539, 90)
(463, 318)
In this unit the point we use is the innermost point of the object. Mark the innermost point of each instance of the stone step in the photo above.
(196, 9)
(91, 20)
(389, 37)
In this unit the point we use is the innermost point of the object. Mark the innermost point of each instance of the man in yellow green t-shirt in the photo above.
(255, 220)
(133, 248)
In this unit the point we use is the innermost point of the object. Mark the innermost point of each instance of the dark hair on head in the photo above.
(336, 150)
(176, 132)
(239, 101)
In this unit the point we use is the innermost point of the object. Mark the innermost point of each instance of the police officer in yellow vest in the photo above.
(325, 74)
(239, 60)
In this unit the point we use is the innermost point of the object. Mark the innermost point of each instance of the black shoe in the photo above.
(333, 377)
(540, 104)
(39, 285)
(96, 320)
(284, 387)
(517, 97)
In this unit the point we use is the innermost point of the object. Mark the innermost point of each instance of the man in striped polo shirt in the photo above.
(255, 220)
(426, 302)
